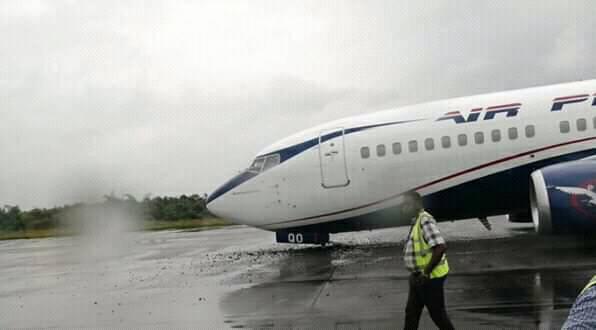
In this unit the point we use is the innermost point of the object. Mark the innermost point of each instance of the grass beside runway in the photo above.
(186, 224)
(34, 233)
(205, 223)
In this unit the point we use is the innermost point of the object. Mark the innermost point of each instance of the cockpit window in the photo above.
(271, 161)
(264, 163)
(257, 165)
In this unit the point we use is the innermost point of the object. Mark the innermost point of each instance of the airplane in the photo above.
(469, 157)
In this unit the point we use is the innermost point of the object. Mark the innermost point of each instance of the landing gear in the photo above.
(485, 223)
(298, 237)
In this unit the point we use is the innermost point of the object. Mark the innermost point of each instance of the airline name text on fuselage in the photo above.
(511, 109)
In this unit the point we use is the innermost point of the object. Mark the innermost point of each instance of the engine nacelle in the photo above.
(563, 198)
(520, 217)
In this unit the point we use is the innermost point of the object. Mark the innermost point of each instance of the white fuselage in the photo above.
(331, 179)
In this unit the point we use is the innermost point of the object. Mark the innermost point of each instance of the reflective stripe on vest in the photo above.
(423, 252)
(590, 284)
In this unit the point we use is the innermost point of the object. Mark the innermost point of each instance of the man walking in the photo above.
(583, 312)
(424, 256)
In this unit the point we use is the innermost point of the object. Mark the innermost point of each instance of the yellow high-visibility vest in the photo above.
(590, 284)
(424, 252)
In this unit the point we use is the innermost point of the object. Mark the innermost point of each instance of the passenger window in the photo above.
(429, 144)
(271, 161)
(479, 138)
(530, 131)
(381, 150)
(364, 152)
(462, 140)
(446, 142)
(564, 126)
(397, 148)
(496, 135)
(582, 124)
(257, 165)
(413, 146)
(512, 133)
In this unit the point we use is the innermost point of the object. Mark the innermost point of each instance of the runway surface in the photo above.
(237, 277)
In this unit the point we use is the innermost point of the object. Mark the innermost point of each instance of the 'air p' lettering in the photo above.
(459, 118)
(474, 115)
(510, 110)
(559, 102)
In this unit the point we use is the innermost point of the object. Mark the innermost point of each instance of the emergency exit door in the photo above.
(332, 156)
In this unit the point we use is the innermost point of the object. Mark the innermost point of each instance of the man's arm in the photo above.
(438, 251)
(433, 237)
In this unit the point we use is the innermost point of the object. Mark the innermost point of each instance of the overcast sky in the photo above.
(173, 97)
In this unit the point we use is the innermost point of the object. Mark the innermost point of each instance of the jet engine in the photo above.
(519, 217)
(563, 198)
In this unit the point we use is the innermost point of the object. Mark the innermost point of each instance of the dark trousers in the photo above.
(429, 294)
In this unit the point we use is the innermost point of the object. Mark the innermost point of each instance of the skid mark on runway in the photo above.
(323, 287)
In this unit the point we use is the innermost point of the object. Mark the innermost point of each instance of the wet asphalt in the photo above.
(237, 277)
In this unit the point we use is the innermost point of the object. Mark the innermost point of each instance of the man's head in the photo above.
(412, 203)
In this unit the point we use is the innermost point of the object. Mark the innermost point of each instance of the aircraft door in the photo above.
(334, 170)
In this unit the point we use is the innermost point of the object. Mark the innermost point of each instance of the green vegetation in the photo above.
(157, 213)
(34, 233)
(199, 224)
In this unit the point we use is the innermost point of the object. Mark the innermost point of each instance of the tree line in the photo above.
(184, 207)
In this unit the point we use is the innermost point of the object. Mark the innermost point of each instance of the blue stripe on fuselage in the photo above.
(289, 152)
(231, 184)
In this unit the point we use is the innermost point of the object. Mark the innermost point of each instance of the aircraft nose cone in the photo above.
(231, 184)
(216, 202)
(214, 207)
(209, 200)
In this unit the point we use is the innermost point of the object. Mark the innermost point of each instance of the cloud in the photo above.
(172, 97)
